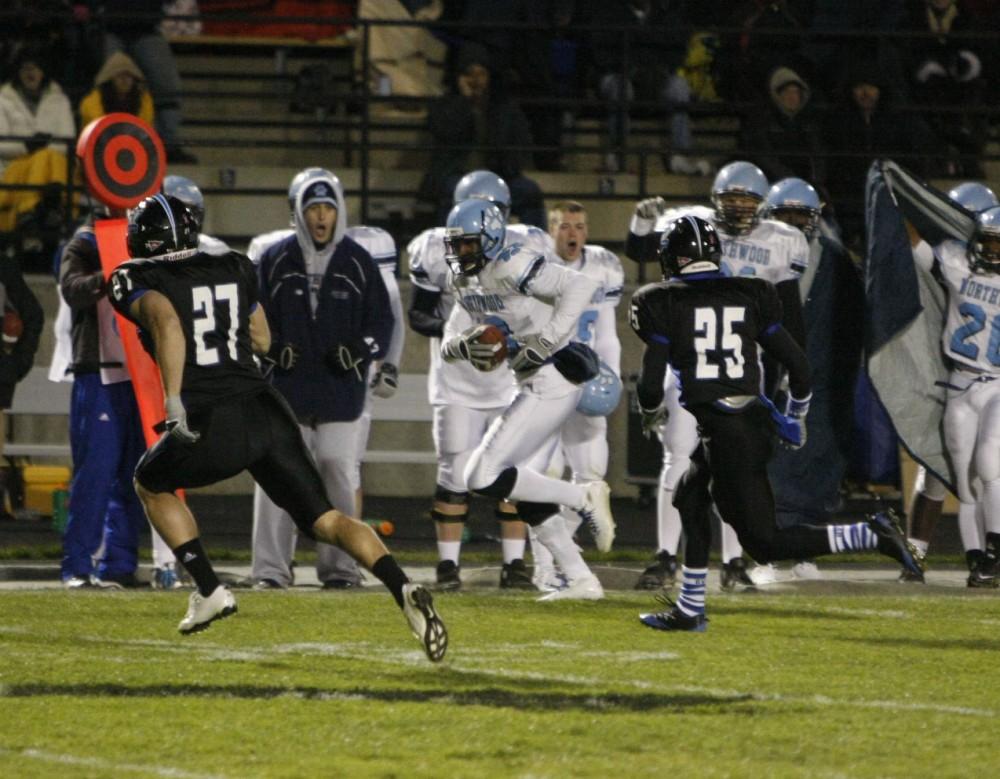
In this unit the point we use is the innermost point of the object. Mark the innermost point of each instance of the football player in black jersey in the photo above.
(709, 328)
(199, 318)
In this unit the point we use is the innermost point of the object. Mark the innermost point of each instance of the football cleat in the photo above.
(892, 541)
(427, 627)
(596, 512)
(661, 574)
(77, 583)
(906, 575)
(735, 572)
(203, 611)
(984, 575)
(514, 576)
(267, 584)
(674, 619)
(587, 587)
(806, 569)
(547, 578)
(447, 576)
(763, 574)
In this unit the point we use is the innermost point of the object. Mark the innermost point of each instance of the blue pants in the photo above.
(105, 516)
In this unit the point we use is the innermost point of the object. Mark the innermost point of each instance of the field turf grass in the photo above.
(873, 683)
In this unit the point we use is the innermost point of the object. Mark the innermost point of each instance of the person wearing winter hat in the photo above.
(119, 87)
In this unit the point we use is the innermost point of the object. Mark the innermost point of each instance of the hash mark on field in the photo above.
(105, 765)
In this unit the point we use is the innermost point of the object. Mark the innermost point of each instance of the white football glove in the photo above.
(465, 346)
(534, 351)
(651, 420)
(176, 422)
(650, 208)
(386, 381)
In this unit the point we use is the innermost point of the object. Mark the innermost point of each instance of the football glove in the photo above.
(534, 351)
(176, 422)
(351, 356)
(651, 419)
(281, 357)
(386, 381)
(792, 431)
(650, 208)
(466, 346)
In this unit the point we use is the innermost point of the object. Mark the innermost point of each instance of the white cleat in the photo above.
(547, 579)
(427, 627)
(806, 569)
(596, 513)
(763, 574)
(585, 588)
(203, 611)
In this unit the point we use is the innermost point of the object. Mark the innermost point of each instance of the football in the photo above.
(494, 335)
(12, 327)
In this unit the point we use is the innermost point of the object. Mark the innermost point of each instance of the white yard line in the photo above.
(105, 765)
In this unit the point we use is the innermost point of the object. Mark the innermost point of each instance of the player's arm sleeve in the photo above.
(23, 300)
(778, 343)
(791, 306)
(569, 291)
(642, 248)
(423, 312)
(923, 256)
(655, 357)
(395, 351)
(606, 342)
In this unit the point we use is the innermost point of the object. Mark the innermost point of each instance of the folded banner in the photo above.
(905, 308)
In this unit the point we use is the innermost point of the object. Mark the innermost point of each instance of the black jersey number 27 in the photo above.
(204, 304)
(718, 346)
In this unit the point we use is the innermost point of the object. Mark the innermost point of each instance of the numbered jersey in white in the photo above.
(456, 383)
(596, 326)
(972, 332)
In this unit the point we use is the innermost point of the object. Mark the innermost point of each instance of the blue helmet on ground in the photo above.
(601, 394)
(474, 235)
(742, 179)
(796, 202)
(483, 185)
(188, 193)
(973, 196)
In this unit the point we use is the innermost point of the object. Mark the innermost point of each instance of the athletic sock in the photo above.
(387, 571)
(513, 549)
(552, 533)
(449, 550)
(692, 597)
(851, 538)
(192, 556)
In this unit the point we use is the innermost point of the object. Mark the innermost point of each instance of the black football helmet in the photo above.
(161, 224)
(690, 245)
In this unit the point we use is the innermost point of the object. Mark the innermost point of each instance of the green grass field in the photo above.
(873, 683)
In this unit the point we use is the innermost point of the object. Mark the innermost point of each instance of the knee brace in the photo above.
(457, 500)
(535, 514)
(510, 515)
(501, 486)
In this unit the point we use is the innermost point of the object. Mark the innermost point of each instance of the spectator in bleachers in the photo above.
(133, 26)
(769, 37)
(786, 139)
(863, 126)
(118, 87)
(477, 115)
(947, 74)
(645, 70)
(34, 108)
(173, 25)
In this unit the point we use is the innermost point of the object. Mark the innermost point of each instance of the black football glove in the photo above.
(352, 356)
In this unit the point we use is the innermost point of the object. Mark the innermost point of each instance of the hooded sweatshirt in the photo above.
(781, 78)
(317, 298)
(93, 105)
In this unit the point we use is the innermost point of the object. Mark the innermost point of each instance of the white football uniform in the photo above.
(971, 339)
(524, 293)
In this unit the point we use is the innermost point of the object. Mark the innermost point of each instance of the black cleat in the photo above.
(514, 576)
(735, 572)
(908, 576)
(892, 541)
(447, 576)
(674, 619)
(984, 575)
(661, 574)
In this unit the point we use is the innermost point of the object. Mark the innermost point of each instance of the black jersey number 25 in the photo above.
(718, 346)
